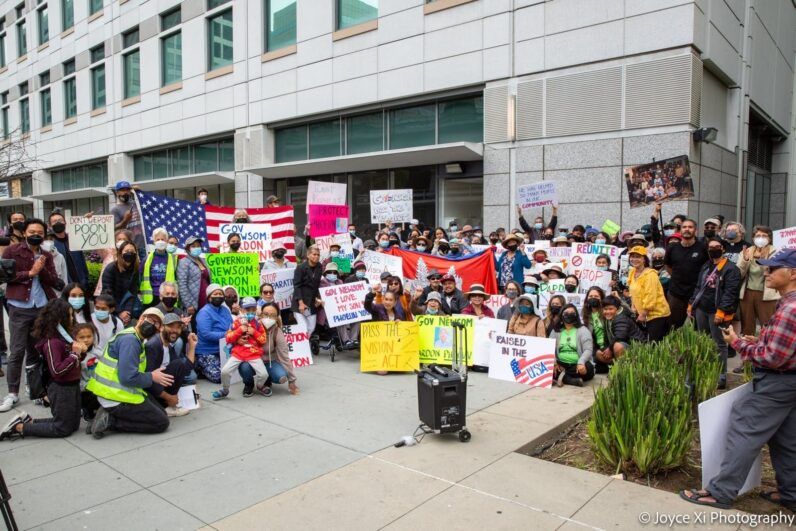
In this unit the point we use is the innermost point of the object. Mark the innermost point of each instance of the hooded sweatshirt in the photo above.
(62, 364)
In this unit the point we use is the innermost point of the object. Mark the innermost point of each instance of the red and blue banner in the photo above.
(467, 270)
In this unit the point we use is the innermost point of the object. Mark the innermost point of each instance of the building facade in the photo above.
(461, 100)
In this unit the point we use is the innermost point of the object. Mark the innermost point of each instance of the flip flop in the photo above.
(769, 496)
(696, 497)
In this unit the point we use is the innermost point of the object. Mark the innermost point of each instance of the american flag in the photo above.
(184, 219)
(536, 372)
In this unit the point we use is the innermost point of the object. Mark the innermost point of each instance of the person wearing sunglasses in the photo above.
(767, 413)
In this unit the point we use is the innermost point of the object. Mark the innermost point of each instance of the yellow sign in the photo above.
(389, 346)
(436, 338)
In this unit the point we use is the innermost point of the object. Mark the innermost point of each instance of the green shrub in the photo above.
(700, 355)
(94, 272)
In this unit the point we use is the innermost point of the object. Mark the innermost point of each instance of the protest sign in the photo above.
(328, 219)
(588, 278)
(324, 243)
(241, 270)
(282, 281)
(497, 249)
(576, 299)
(298, 344)
(343, 264)
(658, 182)
(783, 238)
(624, 268)
(377, 263)
(436, 338)
(714, 423)
(322, 193)
(345, 303)
(584, 256)
(254, 237)
(610, 228)
(389, 346)
(496, 302)
(485, 330)
(522, 359)
(549, 289)
(537, 195)
(559, 255)
(391, 205)
(90, 233)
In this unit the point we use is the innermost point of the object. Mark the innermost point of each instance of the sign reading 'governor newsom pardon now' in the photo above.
(241, 270)
(391, 205)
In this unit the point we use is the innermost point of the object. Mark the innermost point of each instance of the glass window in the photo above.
(365, 133)
(132, 74)
(46, 108)
(423, 183)
(67, 14)
(291, 144)
(44, 78)
(6, 129)
(461, 120)
(22, 39)
(226, 155)
(98, 87)
(205, 157)
(142, 167)
(180, 160)
(70, 98)
(69, 67)
(361, 185)
(130, 38)
(160, 165)
(170, 19)
(94, 6)
(98, 53)
(413, 126)
(280, 18)
(353, 12)
(44, 25)
(325, 139)
(24, 115)
(2, 50)
(96, 175)
(463, 201)
(220, 40)
(171, 48)
(212, 4)
(23, 88)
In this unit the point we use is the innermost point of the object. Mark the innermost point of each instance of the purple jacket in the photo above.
(379, 312)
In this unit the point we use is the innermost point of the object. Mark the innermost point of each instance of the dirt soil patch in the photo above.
(573, 448)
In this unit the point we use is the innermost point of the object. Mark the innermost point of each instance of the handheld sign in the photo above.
(328, 219)
(391, 205)
(377, 263)
(254, 237)
(323, 193)
(88, 234)
(610, 228)
(389, 346)
(537, 195)
(785, 238)
(522, 359)
(298, 344)
(282, 281)
(241, 270)
(436, 338)
(584, 256)
(485, 330)
(345, 303)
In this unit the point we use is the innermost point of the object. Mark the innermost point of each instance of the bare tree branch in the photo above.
(15, 159)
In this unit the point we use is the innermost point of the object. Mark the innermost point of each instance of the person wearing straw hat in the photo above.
(477, 296)
(512, 263)
(422, 245)
(553, 272)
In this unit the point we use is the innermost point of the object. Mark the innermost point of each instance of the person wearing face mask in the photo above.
(121, 280)
(16, 227)
(172, 246)
(356, 241)
(278, 260)
(540, 259)
(524, 321)
(241, 216)
(734, 240)
(106, 324)
(276, 354)
(574, 349)
(75, 295)
(513, 262)
(175, 356)
(169, 298)
(120, 379)
(715, 300)
(422, 245)
(193, 277)
(758, 302)
(394, 240)
(159, 266)
(331, 277)
(245, 340)
(383, 242)
(553, 315)
(27, 293)
(512, 292)
(201, 197)
(710, 229)
(592, 318)
(432, 306)
(684, 261)
(530, 286)
(571, 284)
(48, 245)
(646, 295)
(538, 230)
(212, 322)
(441, 248)
(75, 260)
(123, 216)
(233, 243)
(109, 255)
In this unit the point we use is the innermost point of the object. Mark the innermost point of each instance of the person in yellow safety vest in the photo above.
(159, 266)
(120, 378)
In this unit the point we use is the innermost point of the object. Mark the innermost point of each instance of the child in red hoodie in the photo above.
(246, 338)
(63, 366)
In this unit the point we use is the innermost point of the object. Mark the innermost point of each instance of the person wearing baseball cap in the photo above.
(175, 357)
(123, 215)
(278, 260)
(272, 201)
(768, 414)
(710, 228)
(120, 379)
(453, 300)
(646, 294)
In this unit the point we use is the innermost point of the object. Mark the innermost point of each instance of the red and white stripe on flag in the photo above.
(280, 219)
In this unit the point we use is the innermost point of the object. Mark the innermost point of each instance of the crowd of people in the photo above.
(116, 354)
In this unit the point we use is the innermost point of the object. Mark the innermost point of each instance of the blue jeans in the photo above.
(275, 373)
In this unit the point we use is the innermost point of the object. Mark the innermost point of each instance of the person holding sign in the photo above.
(212, 323)
(524, 322)
(75, 261)
(513, 263)
(389, 310)
(646, 295)
(160, 266)
(574, 349)
(331, 278)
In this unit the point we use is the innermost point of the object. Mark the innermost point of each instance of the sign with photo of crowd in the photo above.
(659, 182)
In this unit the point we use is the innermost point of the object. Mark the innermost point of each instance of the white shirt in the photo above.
(106, 330)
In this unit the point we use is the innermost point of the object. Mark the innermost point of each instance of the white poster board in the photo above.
(537, 195)
(584, 256)
(324, 243)
(298, 344)
(714, 423)
(588, 278)
(345, 303)
(547, 290)
(89, 234)
(254, 238)
(186, 397)
(785, 238)
(282, 281)
(523, 359)
(377, 263)
(391, 205)
(322, 193)
(485, 330)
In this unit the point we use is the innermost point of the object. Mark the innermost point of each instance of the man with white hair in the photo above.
(169, 297)
(160, 266)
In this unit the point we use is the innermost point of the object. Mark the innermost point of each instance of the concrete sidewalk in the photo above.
(324, 459)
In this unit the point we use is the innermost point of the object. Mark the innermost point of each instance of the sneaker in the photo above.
(248, 391)
(722, 383)
(577, 381)
(175, 411)
(349, 345)
(221, 394)
(560, 379)
(265, 390)
(101, 424)
(10, 429)
(738, 370)
(8, 402)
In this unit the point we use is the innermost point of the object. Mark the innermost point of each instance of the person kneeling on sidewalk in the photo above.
(574, 348)
(63, 365)
(165, 351)
(245, 339)
(120, 379)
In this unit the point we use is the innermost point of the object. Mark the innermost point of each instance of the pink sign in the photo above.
(328, 219)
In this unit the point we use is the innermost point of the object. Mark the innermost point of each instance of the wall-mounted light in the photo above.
(705, 134)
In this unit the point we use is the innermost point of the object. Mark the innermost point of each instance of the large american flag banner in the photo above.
(184, 219)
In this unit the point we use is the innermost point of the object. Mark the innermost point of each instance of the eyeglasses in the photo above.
(267, 292)
(395, 283)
